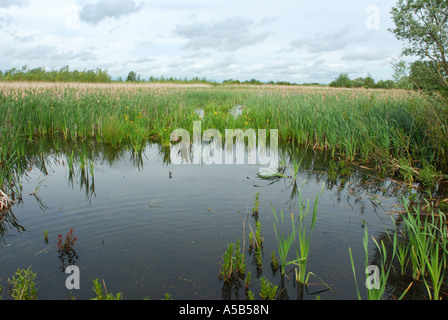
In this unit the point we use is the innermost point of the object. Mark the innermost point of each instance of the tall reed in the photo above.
(375, 288)
(304, 232)
(372, 127)
(427, 238)
(299, 235)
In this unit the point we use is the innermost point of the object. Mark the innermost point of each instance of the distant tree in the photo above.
(356, 83)
(132, 77)
(385, 84)
(369, 82)
(343, 81)
(283, 83)
(423, 25)
(253, 81)
(61, 75)
(231, 81)
(424, 75)
(401, 74)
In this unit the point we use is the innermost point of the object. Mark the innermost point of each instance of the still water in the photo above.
(148, 227)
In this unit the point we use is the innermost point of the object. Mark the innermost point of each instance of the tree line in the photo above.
(98, 75)
(418, 75)
(344, 81)
(64, 74)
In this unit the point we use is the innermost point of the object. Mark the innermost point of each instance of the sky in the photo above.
(284, 40)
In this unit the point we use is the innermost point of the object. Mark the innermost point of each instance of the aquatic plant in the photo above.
(304, 233)
(233, 265)
(167, 296)
(256, 204)
(426, 236)
(375, 290)
(428, 176)
(66, 249)
(255, 237)
(284, 238)
(46, 236)
(274, 262)
(66, 244)
(102, 294)
(256, 243)
(268, 291)
(247, 282)
(23, 285)
(375, 127)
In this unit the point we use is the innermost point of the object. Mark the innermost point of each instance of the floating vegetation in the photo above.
(5, 201)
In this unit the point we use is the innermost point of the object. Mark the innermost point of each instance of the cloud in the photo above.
(51, 53)
(72, 20)
(93, 13)
(366, 54)
(229, 34)
(9, 3)
(308, 42)
(328, 42)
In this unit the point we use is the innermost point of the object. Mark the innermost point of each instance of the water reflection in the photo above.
(80, 159)
(355, 187)
(8, 221)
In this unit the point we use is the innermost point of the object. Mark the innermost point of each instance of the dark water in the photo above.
(148, 227)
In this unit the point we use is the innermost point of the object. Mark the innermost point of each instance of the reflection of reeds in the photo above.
(357, 124)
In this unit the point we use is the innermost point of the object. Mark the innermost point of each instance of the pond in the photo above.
(149, 227)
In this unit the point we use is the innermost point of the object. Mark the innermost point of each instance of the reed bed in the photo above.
(393, 130)
(372, 127)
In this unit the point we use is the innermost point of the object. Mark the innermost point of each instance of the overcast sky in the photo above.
(284, 40)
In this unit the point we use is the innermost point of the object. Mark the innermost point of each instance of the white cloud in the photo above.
(285, 40)
(10, 3)
(95, 12)
(366, 54)
(73, 21)
(229, 34)
(331, 41)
